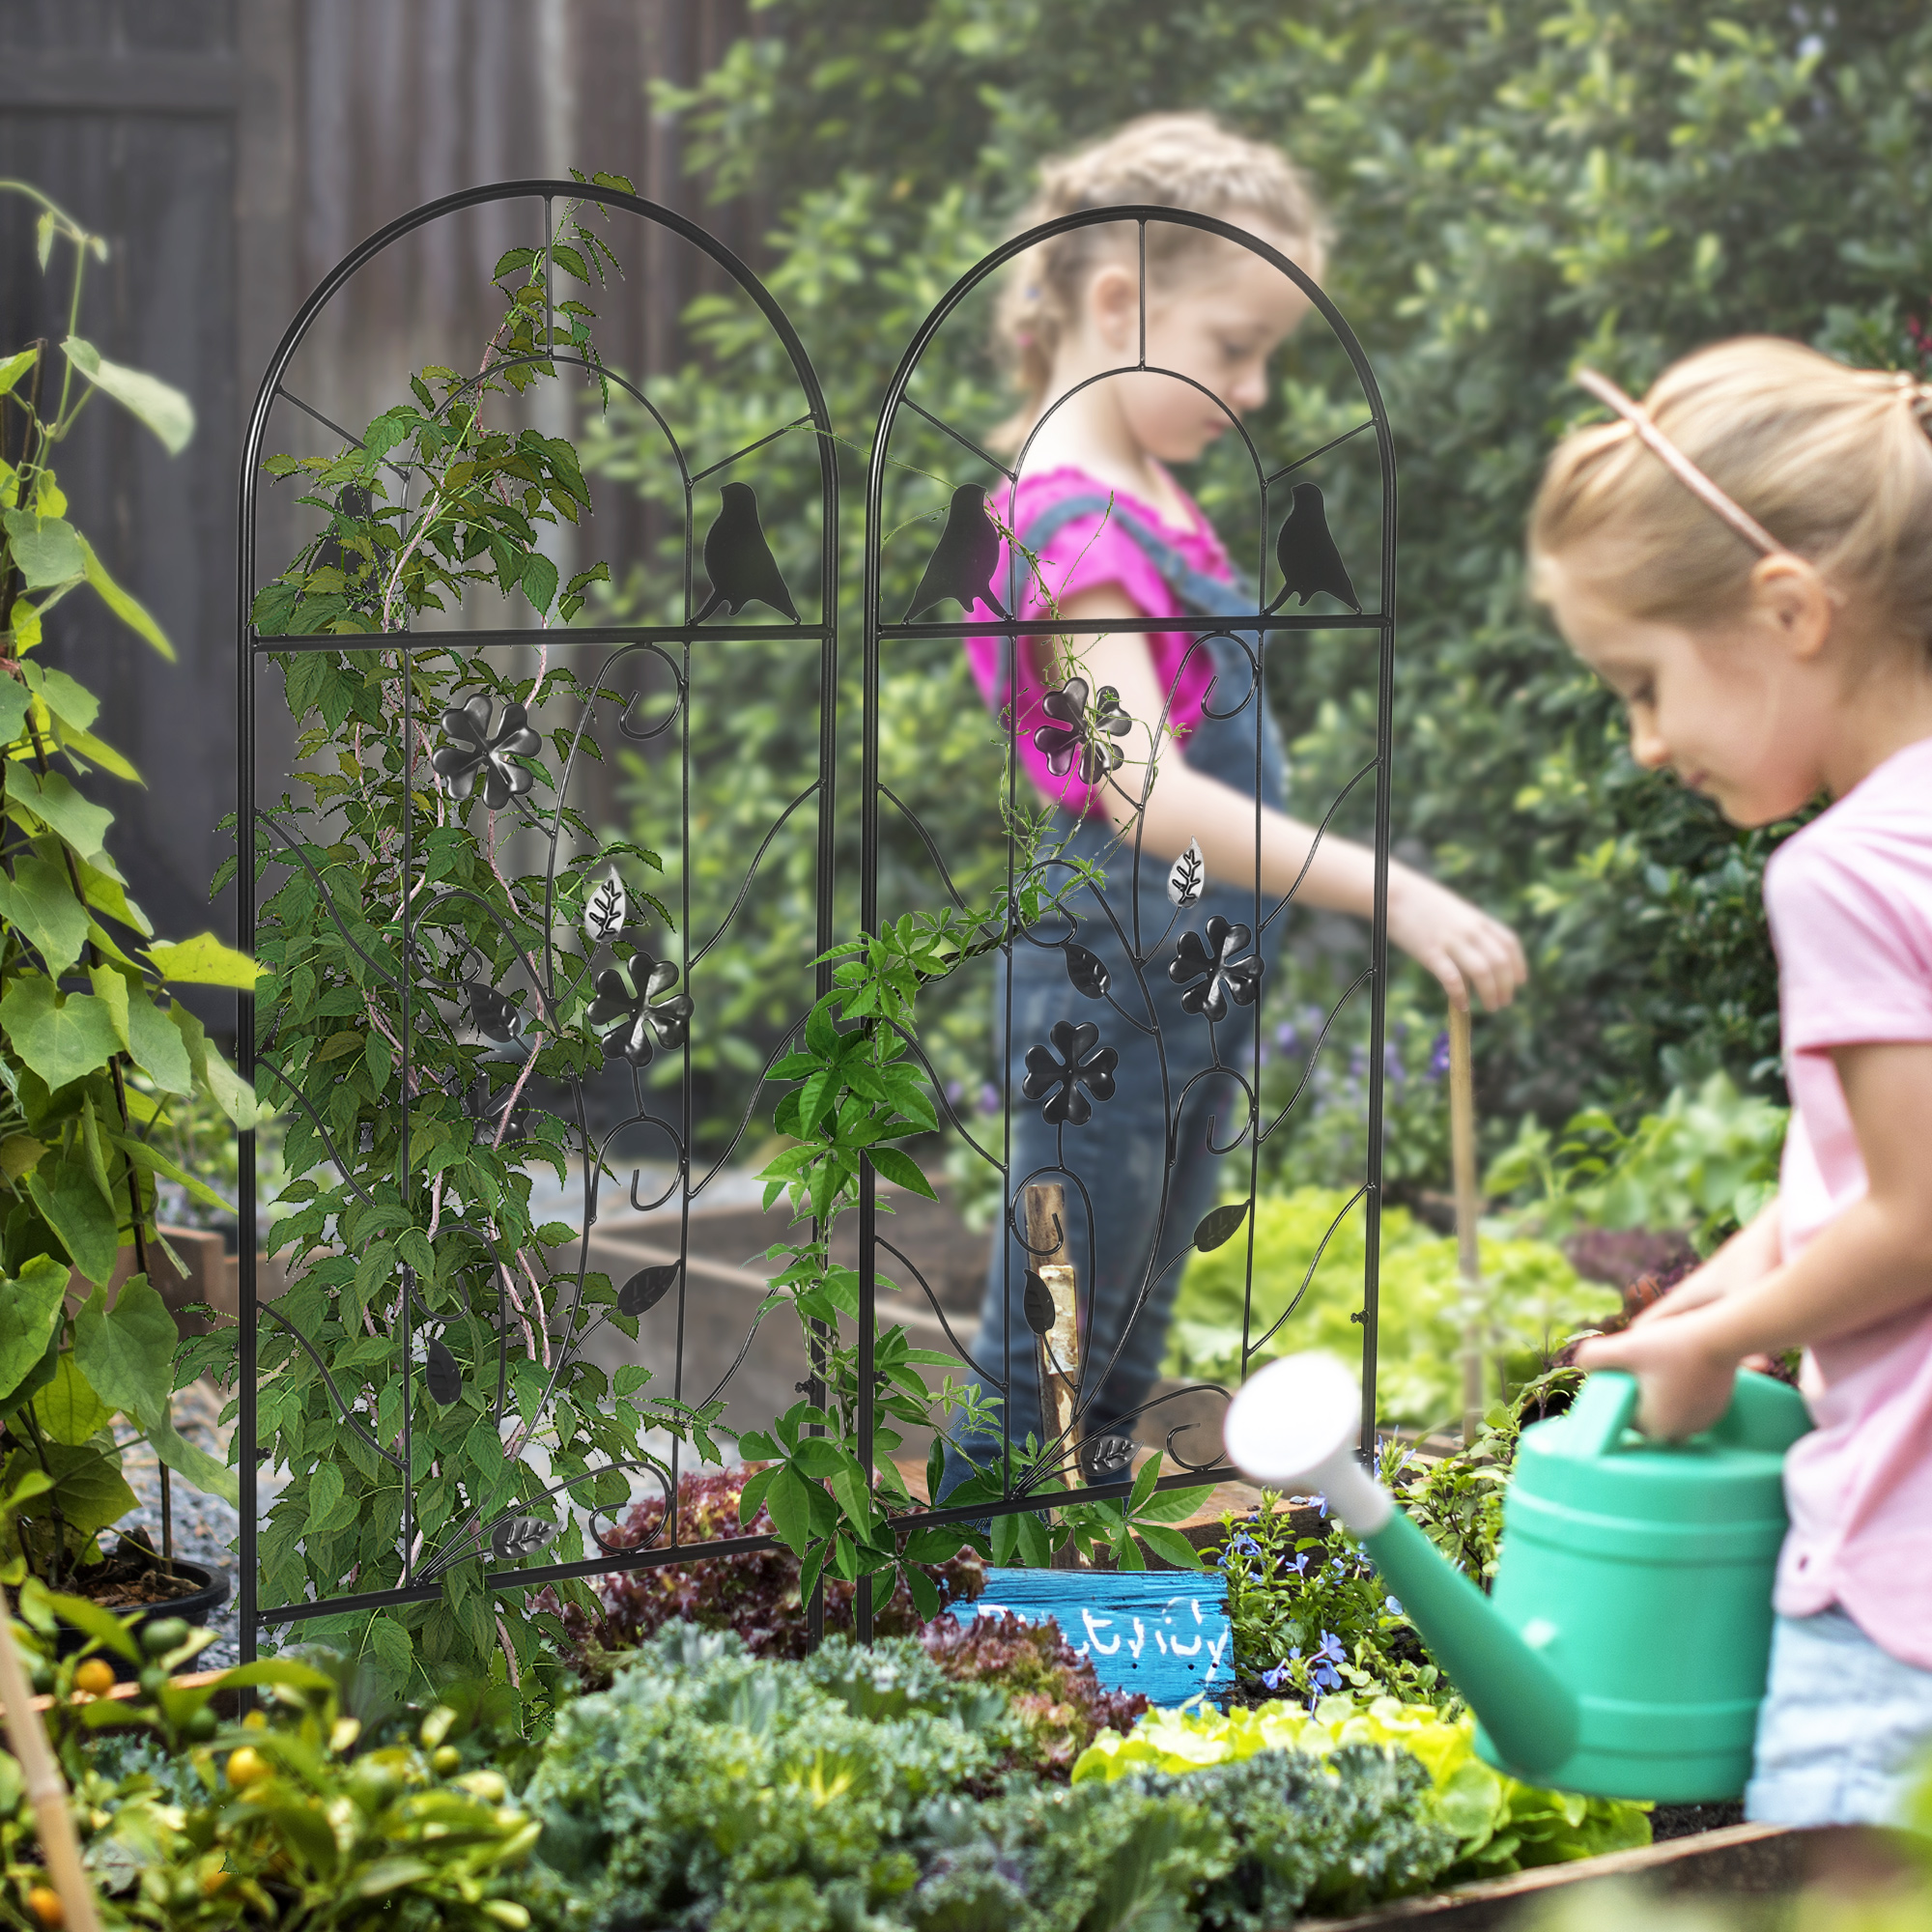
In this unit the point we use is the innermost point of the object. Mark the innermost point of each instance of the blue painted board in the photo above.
(1163, 1632)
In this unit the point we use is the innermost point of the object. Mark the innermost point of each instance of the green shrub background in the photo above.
(1514, 187)
(1536, 1297)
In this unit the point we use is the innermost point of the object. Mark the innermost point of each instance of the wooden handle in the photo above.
(1046, 1237)
(1468, 1207)
(60, 1849)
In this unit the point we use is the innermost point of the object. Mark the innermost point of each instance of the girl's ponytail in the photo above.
(1167, 161)
(1835, 463)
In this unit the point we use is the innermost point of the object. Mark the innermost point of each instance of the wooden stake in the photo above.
(1046, 1237)
(1468, 1205)
(60, 1849)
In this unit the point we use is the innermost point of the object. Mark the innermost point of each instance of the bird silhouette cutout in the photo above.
(1307, 555)
(739, 561)
(961, 568)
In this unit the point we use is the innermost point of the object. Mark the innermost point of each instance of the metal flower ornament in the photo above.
(628, 1014)
(474, 750)
(1077, 732)
(1057, 1074)
(1211, 972)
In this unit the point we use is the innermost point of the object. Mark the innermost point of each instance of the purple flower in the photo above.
(1438, 1057)
(1325, 1676)
(989, 1098)
(1286, 1038)
(1275, 1678)
(1246, 1545)
(1395, 1609)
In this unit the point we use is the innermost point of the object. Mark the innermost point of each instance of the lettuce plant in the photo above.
(1500, 1823)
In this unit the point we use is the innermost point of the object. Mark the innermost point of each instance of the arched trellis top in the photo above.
(877, 629)
(549, 192)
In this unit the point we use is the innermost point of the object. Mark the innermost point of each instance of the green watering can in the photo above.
(1625, 1649)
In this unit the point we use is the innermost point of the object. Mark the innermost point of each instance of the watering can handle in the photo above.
(1604, 1409)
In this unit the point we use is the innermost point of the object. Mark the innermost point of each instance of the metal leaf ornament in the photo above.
(486, 1105)
(606, 911)
(628, 1014)
(1106, 1458)
(1066, 1071)
(519, 1536)
(1086, 971)
(1188, 879)
(473, 752)
(441, 1376)
(491, 1014)
(1076, 734)
(1219, 1226)
(1211, 972)
(647, 1288)
(1039, 1304)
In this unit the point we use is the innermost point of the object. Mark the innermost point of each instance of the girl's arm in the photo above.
(1872, 1263)
(1462, 947)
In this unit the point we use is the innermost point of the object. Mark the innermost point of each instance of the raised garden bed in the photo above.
(1750, 1860)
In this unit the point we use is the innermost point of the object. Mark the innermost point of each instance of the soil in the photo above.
(132, 1580)
(1684, 1821)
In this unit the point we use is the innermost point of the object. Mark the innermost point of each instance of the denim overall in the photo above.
(1122, 1155)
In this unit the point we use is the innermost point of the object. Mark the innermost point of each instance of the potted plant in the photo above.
(85, 1003)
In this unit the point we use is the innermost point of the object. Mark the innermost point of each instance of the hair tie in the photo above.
(1678, 463)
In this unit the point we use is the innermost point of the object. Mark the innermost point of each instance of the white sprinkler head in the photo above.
(1293, 1427)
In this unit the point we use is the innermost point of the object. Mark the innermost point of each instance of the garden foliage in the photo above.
(1513, 187)
(1498, 1823)
(306, 1815)
(89, 1079)
(754, 1594)
(740, 1793)
(1535, 1297)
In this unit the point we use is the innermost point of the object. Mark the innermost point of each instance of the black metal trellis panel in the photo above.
(1060, 1460)
(879, 632)
(253, 648)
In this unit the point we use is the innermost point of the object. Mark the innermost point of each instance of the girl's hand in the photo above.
(1684, 1379)
(1462, 947)
(1747, 1256)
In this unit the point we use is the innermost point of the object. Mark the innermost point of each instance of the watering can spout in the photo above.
(1293, 1427)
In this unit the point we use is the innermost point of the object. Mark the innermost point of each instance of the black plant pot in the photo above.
(195, 1606)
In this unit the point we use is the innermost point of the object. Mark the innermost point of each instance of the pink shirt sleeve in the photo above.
(1088, 552)
(1854, 936)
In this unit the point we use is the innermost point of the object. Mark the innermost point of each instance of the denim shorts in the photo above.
(1845, 1731)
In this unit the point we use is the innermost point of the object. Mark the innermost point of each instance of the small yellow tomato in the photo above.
(211, 1882)
(489, 1785)
(246, 1766)
(44, 1902)
(444, 1759)
(257, 1719)
(95, 1677)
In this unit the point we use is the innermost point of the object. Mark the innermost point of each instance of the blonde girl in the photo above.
(1745, 559)
(1115, 536)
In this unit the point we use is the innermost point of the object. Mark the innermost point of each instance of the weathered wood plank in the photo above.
(1162, 1632)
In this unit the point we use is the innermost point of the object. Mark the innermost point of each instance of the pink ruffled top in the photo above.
(1083, 555)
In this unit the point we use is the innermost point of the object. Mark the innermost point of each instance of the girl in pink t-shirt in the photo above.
(1747, 559)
